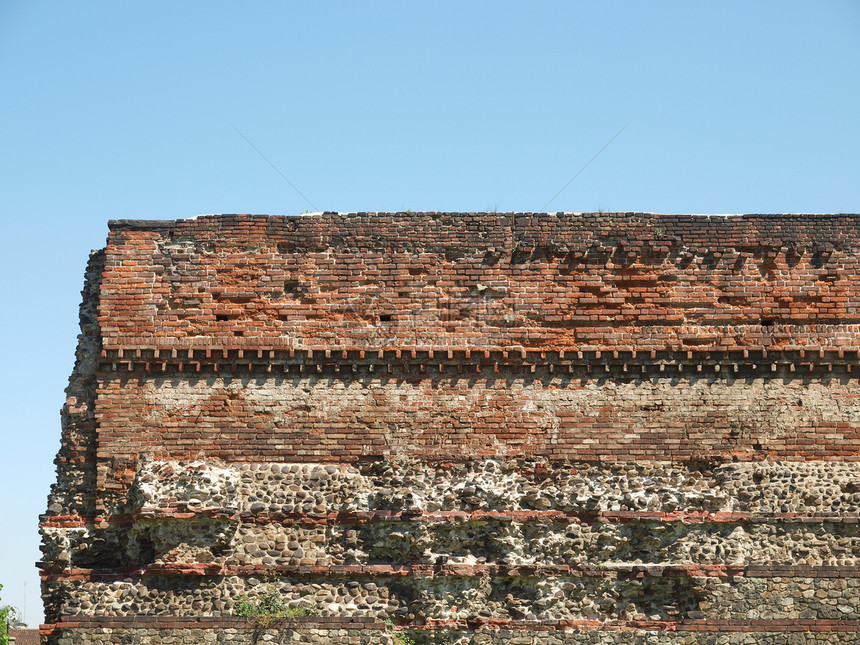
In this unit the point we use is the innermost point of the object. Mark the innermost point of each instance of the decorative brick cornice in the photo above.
(741, 362)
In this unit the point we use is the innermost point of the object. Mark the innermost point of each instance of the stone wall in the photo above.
(568, 428)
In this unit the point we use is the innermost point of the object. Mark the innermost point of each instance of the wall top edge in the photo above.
(226, 218)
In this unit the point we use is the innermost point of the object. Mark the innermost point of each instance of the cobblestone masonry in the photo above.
(482, 428)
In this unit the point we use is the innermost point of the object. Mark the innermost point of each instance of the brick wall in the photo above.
(254, 395)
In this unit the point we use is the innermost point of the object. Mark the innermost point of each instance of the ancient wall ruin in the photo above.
(481, 428)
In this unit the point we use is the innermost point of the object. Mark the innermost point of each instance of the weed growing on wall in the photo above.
(270, 609)
(397, 634)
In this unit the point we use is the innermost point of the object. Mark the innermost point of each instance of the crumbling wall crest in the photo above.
(75, 488)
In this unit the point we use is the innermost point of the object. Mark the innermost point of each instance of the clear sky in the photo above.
(127, 110)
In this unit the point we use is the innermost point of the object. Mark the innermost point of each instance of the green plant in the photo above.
(397, 634)
(4, 632)
(270, 609)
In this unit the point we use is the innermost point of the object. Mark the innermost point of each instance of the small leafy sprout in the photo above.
(397, 634)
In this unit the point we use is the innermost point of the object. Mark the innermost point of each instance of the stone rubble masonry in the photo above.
(482, 428)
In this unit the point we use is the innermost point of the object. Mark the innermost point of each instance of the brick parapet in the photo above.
(612, 281)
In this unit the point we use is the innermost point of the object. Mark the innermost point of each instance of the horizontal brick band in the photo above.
(334, 622)
(358, 517)
(619, 570)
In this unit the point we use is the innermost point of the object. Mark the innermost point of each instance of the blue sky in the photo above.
(118, 110)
